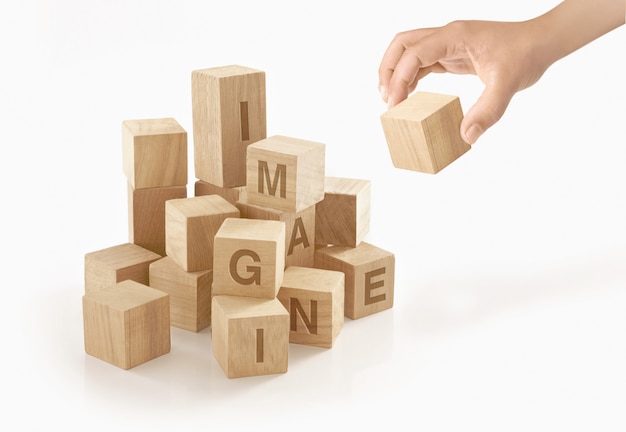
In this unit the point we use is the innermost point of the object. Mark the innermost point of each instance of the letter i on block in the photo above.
(249, 258)
(249, 336)
(423, 132)
(228, 105)
(285, 173)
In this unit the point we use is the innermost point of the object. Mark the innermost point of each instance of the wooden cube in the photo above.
(126, 324)
(250, 336)
(190, 293)
(146, 215)
(314, 299)
(369, 272)
(285, 173)
(299, 230)
(231, 194)
(190, 228)
(228, 104)
(423, 132)
(154, 153)
(249, 258)
(342, 218)
(117, 263)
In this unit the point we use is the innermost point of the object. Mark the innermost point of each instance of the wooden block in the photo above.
(342, 218)
(314, 299)
(154, 153)
(228, 105)
(250, 336)
(299, 230)
(369, 272)
(146, 215)
(190, 228)
(285, 173)
(423, 132)
(232, 194)
(190, 293)
(117, 263)
(126, 324)
(249, 258)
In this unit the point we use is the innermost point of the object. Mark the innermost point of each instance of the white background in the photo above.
(510, 310)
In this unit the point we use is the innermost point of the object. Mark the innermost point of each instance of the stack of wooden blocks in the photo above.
(268, 251)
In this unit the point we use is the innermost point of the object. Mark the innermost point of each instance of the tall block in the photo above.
(190, 228)
(423, 132)
(314, 299)
(190, 293)
(229, 113)
(117, 263)
(299, 230)
(369, 272)
(126, 324)
(154, 153)
(146, 215)
(342, 218)
(230, 194)
(250, 336)
(249, 258)
(285, 173)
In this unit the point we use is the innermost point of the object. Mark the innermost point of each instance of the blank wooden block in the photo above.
(250, 336)
(342, 218)
(314, 299)
(117, 263)
(228, 105)
(285, 173)
(369, 272)
(146, 215)
(126, 324)
(154, 153)
(299, 230)
(423, 132)
(249, 258)
(190, 293)
(190, 228)
(232, 194)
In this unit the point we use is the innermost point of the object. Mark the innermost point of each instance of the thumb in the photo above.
(487, 110)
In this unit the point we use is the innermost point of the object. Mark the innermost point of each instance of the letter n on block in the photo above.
(250, 336)
(249, 258)
(423, 132)
(229, 113)
(369, 272)
(315, 301)
(285, 173)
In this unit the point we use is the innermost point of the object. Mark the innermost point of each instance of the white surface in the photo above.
(510, 309)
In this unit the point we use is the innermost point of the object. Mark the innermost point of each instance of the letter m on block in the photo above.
(278, 181)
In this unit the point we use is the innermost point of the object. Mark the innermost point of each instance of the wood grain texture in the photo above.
(230, 194)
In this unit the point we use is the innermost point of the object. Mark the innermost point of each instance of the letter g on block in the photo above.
(255, 271)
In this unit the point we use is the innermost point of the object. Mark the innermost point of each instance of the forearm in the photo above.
(574, 23)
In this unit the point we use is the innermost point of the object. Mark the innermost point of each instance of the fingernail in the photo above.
(390, 102)
(383, 92)
(472, 134)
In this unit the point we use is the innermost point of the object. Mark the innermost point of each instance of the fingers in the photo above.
(487, 110)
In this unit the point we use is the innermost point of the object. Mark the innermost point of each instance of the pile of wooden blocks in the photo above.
(268, 251)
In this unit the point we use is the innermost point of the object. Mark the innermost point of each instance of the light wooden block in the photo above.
(117, 263)
(285, 173)
(299, 230)
(126, 324)
(231, 194)
(190, 293)
(250, 336)
(423, 132)
(146, 215)
(314, 299)
(190, 228)
(249, 258)
(154, 153)
(342, 218)
(229, 113)
(369, 272)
